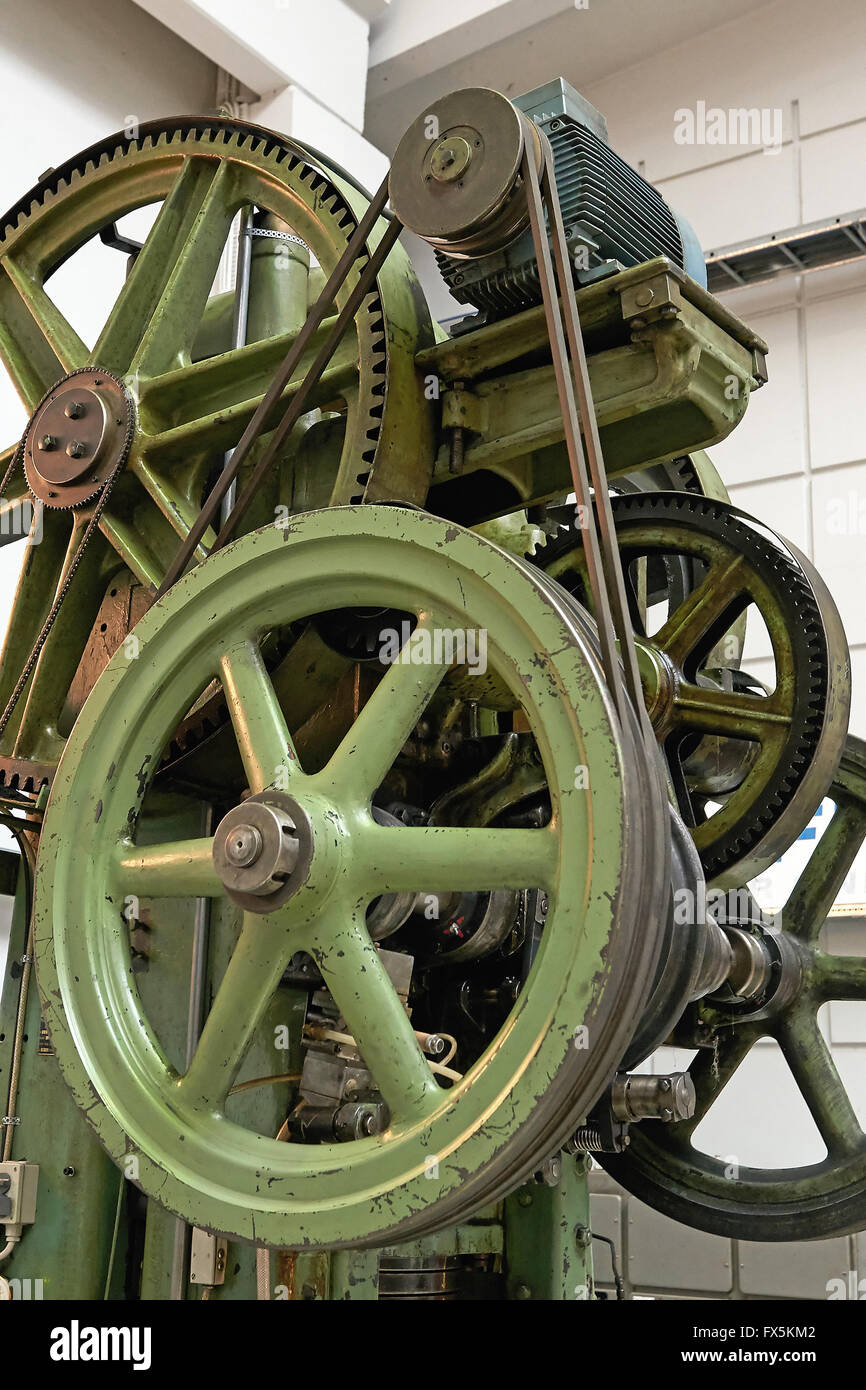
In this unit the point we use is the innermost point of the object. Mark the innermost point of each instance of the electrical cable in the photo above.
(617, 1277)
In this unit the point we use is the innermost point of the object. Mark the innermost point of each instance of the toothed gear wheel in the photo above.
(79, 436)
(377, 439)
(798, 729)
(374, 461)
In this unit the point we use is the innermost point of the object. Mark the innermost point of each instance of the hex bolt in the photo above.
(525, 1199)
(48, 442)
(75, 410)
(582, 1235)
(523, 1291)
(69, 1171)
(75, 449)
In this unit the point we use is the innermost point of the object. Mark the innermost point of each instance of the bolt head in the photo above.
(75, 449)
(75, 410)
(243, 845)
(48, 442)
(450, 159)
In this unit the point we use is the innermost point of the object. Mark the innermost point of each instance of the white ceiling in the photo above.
(582, 45)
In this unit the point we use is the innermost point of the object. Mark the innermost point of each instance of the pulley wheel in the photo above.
(447, 1149)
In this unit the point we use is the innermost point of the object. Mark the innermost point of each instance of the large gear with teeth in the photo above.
(734, 563)
(150, 410)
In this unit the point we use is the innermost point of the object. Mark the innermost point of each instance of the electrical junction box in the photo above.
(18, 1183)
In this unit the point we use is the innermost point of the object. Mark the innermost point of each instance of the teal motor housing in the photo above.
(613, 218)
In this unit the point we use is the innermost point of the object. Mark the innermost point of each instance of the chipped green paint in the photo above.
(532, 1084)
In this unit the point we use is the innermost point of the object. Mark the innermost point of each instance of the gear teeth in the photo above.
(792, 583)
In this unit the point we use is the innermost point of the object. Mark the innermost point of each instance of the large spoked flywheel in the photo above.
(304, 854)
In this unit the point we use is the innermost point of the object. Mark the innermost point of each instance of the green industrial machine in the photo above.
(381, 805)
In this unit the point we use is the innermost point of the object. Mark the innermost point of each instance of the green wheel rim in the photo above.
(664, 1167)
(446, 1150)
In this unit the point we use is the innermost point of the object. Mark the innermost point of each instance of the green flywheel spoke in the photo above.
(734, 716)
(179, 511)
(816, 889)
(132, 548)
(376, 1019)
(264, 741)
(840, 977)
(808, 1055)
(154, 321)
(692, 620)
(209, 404)
(37, 344)
(182, 869)
(711, 1071)
(38, 321)
(253, 973)
(383, 726)
(405, 859)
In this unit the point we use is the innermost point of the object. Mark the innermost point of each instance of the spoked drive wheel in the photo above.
(665, 1167)
(782, 747)
(446, 1150)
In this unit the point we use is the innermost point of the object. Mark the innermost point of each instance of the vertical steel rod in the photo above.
(354, 248)
(240, 317)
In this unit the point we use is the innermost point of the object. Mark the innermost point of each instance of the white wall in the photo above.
(799, 457)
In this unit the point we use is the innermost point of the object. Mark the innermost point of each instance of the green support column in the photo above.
(65, 1253)
(355, 1275)
(548, 1247)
